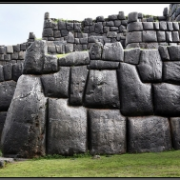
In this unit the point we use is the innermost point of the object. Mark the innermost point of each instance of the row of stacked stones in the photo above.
(151, 34)
(108, 100)
(174, 12)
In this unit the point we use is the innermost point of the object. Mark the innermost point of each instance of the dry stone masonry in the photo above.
(116, 91)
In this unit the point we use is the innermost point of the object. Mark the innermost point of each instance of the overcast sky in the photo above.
(17, 20)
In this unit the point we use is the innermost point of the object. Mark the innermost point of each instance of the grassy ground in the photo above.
(165, 164)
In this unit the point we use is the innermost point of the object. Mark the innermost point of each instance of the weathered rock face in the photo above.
(24, 130)
(2, 121)
(67, 128)
(107, 132)
(148, 134)
(102, 89)
(136, 97)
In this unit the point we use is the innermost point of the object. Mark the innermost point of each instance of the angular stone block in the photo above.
(69, 26)
(1, 73)
(114, 28)
(117, 23)
(113, 52)
(169, 36)
(77, 86)
(24, 131)
(98, 28)
(60, 47)
(77, 27)
(112, 17)
(176, 26)
(161, 36)
(6, 93)
(150, 66)
(83, 40)
(2, 121)
(2, 50)
(64, 32)
(135, 26)
(7, 57)
(134, 37)
(132, 56)
(175, 36)
(152, 45)
(48, 32)
(133, 45)
(34, 58)
(136, 97)
(88, 21)
(69, 48)
(98, 64)
(9, 49)
(121, 15)
(57, 84)
(67, 128)
(171, 71)
(166, 99)
(61, 25)
(110, 23)
(163, 50)
(170, 26)
(174, 52)
(16, 71)
(75, 59)
(175, 125)
(148, 134)
(100, 19)
(57, 34)
(163, 25)
(95, 51)
(7, 68)
(111, 34)
(107, 132)
(156, 25)
(15, 56)
(102, 89)
(50, 64)
(148, 26)
(132, 17)
(149, 36)
(77, 47)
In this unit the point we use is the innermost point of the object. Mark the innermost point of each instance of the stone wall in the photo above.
(174, 12)
(108, 101)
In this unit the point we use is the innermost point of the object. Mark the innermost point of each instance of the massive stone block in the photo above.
(174, 52)
(175, 126)
(99, 64)
(166, 99)
(132, 56)
(75, 59)
(163, 50)
(50, 64)
(148, 134)
(113, 52)
(107, 132)
(67, 128)
(7, 68)
(136, 97)
(24, 130)
(6, 93)
(57, 84)
(2, 121)
(161, 36)
(16, 71)
(150, 66)
(171, 72)
(96, 51)
(77, 86)
(135, 26)
(102, 89)
(134, 37)
(149, 36)
(34, 58)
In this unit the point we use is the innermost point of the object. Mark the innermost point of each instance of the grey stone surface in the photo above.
(150, 66)
(114, 28)
(95, 51)
(148, 25)
(134, 37)
(156, 25)
(148, 134)
(174, 52)
(107, 132)
(152, 45)
(136, 97)
(83, 40)
(57, 84)
(69, 48)
(78, 80)
(112, 17)
(111, 34)
(166, 99)
(133, 45)
(61, 25)
(64, 32)
(98, 28)
(7, 68)
(170, 26)
(102, 89)
(132, 17)
(1, 73)
(9, 49)
(175, 36)
(110, 23)
(132, 56)
(2, 50)
(161, 36)
(7, 57)
(50, 64)
(88, 21)
(34, 58)
(99, 64)
(75, 59)
(175, 126)
(171, 71)
(121, 15)
(176, 26)
(149, 36)
(135, 26)
(169, 36)
(15, 56)
(100, 19)
(2, 121)
(69, 26)
(163, 25)
(67, 128)
(117, 23)
(48, 32)
(16, 71)
(163, 50)
(24, 130)
(113, 52)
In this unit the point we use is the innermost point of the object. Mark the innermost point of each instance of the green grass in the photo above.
(164, 164)
(61, 55)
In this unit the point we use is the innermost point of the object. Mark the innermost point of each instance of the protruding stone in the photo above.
(113, 52)
(96, 51)
(148, 134)
(67, 128)
(107, 132)
(136, 97)
(150, 66)
(24, 130)
(57, 84)
(102, 89)
(132, 17)
(135, 26)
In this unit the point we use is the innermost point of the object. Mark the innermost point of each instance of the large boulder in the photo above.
(67, 128)
(136, 97)
(24, 130)
(107, 132)
(148, 134)
(102, 89)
